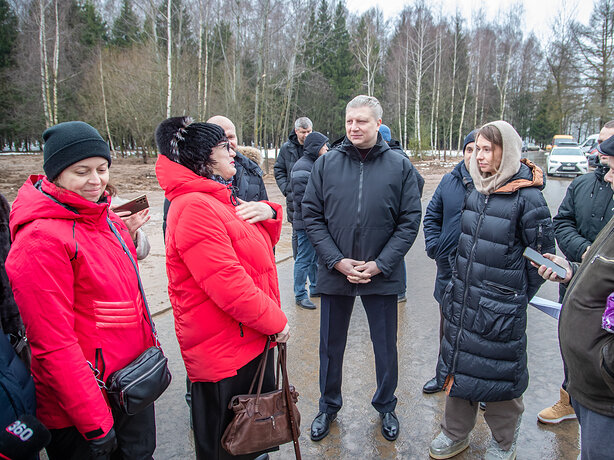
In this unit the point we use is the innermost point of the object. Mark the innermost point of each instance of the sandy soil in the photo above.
(132, 178)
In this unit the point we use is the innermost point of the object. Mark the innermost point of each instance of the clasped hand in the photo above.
(357, 271)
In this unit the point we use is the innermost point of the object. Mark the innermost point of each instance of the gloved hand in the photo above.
(101, 448)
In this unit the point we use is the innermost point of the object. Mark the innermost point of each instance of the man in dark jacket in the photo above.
(247, 181)
(289, 154)
(585, 210)
(305, 265)
(442, 229)
(362, 213)
(587, 348)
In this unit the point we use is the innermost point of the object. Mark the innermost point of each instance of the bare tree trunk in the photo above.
(453, 89)
(478, 57)
(201, 114)
(56, 61)
(406, 92)
(260, 69)
(104, 103)
(433, 94)
(438, 92)
(206, 78)
(462, 119)
(42, 37)
(169, 49)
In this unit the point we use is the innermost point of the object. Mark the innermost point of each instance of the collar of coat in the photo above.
(351, 151)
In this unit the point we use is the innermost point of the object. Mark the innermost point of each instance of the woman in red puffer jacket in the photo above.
(77, 291)
(221, 271)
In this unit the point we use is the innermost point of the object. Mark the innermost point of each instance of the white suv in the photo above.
(567, 160)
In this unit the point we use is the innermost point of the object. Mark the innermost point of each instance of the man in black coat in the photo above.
(289, 154)
(362, 213)
(585, 210)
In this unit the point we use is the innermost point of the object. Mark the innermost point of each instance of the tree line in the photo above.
(125, 66)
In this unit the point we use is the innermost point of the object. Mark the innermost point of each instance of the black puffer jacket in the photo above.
(298, 183)
(483, 352)
(289, 154)
(365, 210)
(585, 210)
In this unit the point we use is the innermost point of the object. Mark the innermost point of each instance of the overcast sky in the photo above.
(537, 16)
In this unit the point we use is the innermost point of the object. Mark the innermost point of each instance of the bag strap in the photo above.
(282, 350)
(138, 277)
(260, 371)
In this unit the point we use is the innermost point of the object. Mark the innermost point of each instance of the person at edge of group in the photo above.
(396, 146)
(483, 352)
(306, 264)
(442, 229)
(361, 227)
(585, 210)
(222, 276)
(248, 179)
(586, 347)
(74, 275)
(289, 153)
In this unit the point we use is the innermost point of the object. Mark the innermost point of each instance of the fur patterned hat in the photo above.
(188, 143)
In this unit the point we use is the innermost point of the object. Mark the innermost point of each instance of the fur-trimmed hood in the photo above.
(252, 153)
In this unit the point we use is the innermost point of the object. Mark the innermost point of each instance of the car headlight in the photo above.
(554, 162)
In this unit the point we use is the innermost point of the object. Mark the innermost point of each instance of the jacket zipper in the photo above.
(137, 381)
(540, 232)
(358, 211)
(466, 290)
(241, 329)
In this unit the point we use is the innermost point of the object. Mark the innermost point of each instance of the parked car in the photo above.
(529, 147)
(593, 157)
(589, 143)
(561, 139)
(566, 160)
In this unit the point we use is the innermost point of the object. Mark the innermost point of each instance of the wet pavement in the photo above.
(356, 432)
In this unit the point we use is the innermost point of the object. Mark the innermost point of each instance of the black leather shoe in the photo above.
(306, 303)
(390, 426)
(320, 427)
(431, 387)
(262, 457)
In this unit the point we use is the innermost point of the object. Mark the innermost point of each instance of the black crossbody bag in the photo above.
(135, 387)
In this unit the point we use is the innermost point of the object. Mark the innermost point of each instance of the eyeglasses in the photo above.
(225, 145)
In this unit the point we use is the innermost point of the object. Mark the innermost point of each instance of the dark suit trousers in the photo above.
(336, 311)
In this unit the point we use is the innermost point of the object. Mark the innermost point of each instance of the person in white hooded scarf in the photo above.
(483, 351)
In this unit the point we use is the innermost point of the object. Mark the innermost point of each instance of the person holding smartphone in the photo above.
(79, 297)
(586, 346)
(483, 354)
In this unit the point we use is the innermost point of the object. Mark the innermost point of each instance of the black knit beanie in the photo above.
(188, 143)
(69, 142)
(469, 139)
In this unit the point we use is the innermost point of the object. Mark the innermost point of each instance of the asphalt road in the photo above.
(356, 433)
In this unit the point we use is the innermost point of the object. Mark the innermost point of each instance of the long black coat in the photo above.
(483, 352)
(365, 210)
(298, 183)
(585, 210)
(289, 154)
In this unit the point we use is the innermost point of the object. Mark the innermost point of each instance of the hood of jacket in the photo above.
(510, 160)
(177, 180)
(250, 153)
(292, 137)
(40, 199)
(529, 175)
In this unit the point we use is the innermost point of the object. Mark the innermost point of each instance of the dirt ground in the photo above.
(132, 178)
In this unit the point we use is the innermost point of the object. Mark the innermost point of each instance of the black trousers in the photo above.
(136, 439)
(382, 314)
(210, 412)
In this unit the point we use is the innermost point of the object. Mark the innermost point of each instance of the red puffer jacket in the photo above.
(221, 273)
(77, 292)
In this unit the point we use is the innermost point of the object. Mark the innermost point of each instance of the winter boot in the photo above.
(561, 410)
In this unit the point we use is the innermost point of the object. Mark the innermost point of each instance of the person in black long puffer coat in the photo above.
(483, 353)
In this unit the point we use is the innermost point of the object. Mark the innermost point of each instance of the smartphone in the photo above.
(536, 257)
(134, 206)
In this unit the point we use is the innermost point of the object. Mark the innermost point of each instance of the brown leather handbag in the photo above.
(264, 420)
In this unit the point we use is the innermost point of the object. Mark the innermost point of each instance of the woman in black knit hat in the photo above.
(221, 273)
(72, 266)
